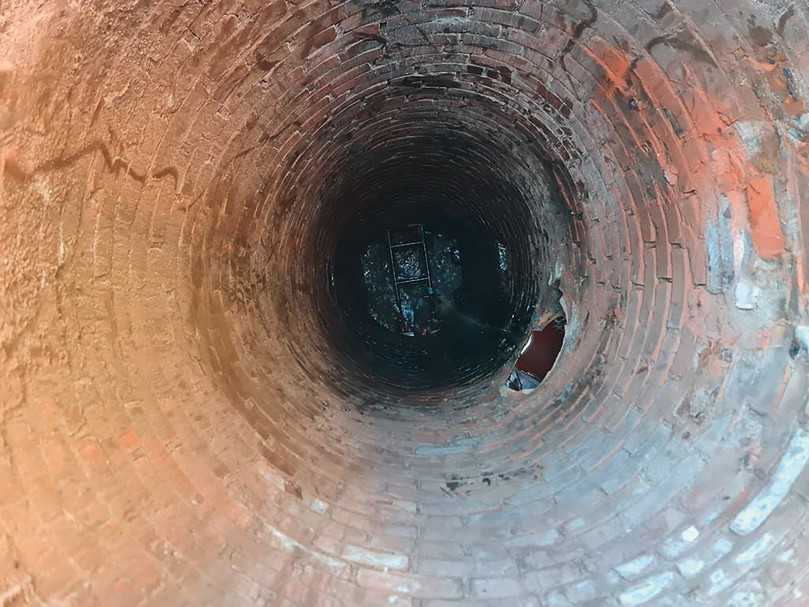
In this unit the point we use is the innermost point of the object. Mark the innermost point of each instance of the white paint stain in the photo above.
(768, 499)
(756, 550)
(690, 535)
(319, 506)
(690, 567)
(386, 560)
(636, 566)
(647, 590)
(290, 545)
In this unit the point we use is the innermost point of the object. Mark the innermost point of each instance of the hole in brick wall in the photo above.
(538, 356)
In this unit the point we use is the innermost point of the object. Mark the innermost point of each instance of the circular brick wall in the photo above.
(183, 418)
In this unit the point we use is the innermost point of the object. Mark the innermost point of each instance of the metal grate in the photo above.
(410, 266)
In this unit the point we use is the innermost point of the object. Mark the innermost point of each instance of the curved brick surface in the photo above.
(178, 423)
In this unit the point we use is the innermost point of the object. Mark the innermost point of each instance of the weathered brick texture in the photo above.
(180, 422)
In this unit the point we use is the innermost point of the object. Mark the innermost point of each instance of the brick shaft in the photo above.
(180, 422)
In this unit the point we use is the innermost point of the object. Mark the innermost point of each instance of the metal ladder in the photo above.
(420, 244)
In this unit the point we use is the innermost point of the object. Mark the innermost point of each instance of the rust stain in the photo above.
(764, 222)
(726, 166)
(615, 63)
